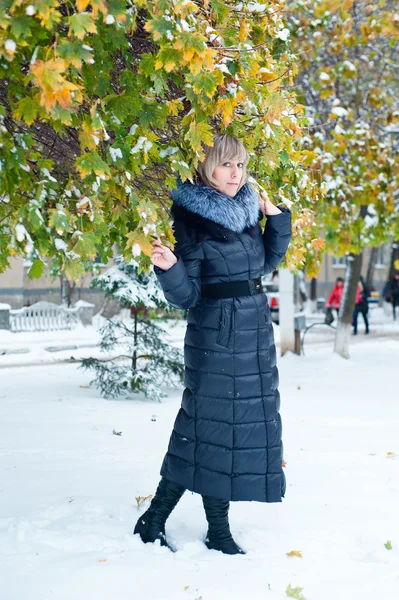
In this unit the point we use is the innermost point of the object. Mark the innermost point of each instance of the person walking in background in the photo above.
(334, 301)
(361, 305)
(393, 293)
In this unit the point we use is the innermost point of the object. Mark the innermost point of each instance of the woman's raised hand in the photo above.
(268, 207)
(162, 256)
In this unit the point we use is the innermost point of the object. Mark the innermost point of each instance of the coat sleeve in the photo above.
(181, 283)
(331, 299)
(276, 237)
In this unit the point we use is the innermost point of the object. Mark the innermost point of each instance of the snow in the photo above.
(324, 76)
(142, 144)
(21, 232)
(340, 111)
(283, 34)
(68, 488)
(60, 244)
(10, 46)
(115, 153)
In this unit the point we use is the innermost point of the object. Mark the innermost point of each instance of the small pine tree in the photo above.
(146, 361)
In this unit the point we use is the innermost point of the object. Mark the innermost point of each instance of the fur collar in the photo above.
(231, 213)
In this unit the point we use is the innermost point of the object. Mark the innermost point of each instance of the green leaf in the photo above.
(199, 132)
(74, 50)
(152, 114)
(20, 26)
(284, 157)
(27, 109)
(36, 269)
(295, 592)
(221, 10)
(92, 161)
(388, 545)
(60, 219)
(73, 269)
(123, 106)
(87, 245)
(80, 24)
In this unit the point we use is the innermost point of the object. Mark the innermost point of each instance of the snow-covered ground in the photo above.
(68, 486)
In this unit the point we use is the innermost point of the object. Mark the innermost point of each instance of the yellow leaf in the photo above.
(139, 242)
(188, 54)
(318, 244)
(244, 30)
(297, 553)
(82, 4)
(389, 453)
(84, 386)
(141, 499)
(186, 587)
(169, 66)
(48, 74)
(226, 107)
(103, 560)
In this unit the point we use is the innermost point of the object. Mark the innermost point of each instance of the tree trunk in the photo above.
(352, 276)
(286, 311)
(371, 267)
(67, 290)
(313, 294)
(393, 258)
(135, 337)
(63, 291)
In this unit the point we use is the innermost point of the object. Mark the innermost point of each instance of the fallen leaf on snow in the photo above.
(297, 553)
(295, 592)
(388, 545)
(141, 499)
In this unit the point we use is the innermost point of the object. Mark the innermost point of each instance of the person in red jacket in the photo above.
(361, 305)
(334, 300)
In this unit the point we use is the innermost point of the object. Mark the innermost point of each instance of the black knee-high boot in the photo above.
(219, 536)
(151, 524)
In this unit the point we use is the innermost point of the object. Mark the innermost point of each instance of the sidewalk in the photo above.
(54, 347)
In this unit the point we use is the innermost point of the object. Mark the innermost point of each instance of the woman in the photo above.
(394, 293)
(226, 441)
(334, 300)
(361, 305)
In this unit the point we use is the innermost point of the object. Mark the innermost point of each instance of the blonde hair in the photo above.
(225, 147)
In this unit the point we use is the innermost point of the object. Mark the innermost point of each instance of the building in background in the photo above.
(17, 290)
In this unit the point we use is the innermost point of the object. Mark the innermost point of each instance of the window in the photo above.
(381, 261)
(339, 262)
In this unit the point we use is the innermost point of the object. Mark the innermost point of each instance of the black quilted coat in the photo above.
(226, 440)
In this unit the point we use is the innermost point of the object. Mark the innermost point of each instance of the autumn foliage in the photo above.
(103, 104)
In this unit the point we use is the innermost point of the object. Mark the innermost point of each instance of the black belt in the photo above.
(232, 288)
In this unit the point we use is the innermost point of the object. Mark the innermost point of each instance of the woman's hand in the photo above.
(162, 256)
(267, 207)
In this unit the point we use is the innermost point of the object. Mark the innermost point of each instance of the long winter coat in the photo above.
(226, 440)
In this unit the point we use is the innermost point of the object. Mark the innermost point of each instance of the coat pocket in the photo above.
(225, 324)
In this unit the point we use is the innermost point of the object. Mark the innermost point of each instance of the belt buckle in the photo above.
(256, 285)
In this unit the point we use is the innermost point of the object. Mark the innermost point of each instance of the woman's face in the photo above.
(229, 175)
